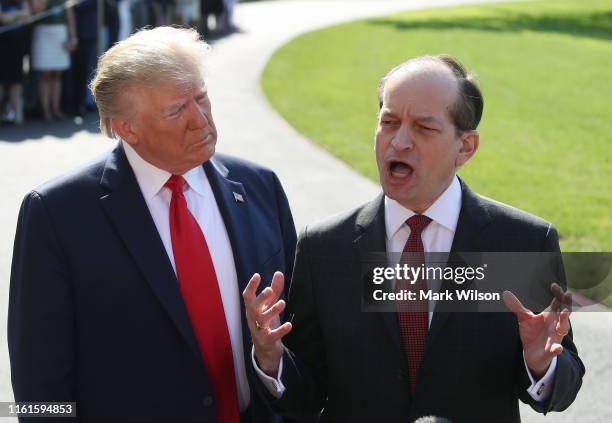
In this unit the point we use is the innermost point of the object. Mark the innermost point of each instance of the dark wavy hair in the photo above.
(467, 110)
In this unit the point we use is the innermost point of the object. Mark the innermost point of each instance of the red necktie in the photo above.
(413, 315)
(200, 290)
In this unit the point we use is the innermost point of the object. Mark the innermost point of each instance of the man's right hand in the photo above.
(262, 313)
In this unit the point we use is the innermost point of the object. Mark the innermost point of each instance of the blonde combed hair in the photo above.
(148, 57)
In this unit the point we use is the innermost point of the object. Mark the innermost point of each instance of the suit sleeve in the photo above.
(570, 369)
(41, 325)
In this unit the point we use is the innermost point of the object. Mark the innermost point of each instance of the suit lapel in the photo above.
(128, 212)
(370, 229)
(473, 218)
(233, 204)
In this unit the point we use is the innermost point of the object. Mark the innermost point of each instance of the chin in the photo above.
(401, 194)
(395, 193)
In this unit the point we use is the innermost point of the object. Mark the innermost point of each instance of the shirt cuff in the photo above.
(540, 390)
(274, 386)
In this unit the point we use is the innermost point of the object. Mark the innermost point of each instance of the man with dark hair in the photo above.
(399, 366)
(466, 111)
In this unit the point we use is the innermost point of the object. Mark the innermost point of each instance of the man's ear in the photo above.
(123, 128)
(470, 141)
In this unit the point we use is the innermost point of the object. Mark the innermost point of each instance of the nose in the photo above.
(198, 118)
(402, 140)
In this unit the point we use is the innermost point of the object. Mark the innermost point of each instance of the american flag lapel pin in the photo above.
(238, 197)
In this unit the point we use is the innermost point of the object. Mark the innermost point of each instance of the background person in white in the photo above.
(335, 358)
(96, 313)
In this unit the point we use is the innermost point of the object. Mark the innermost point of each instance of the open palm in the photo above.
(542, 334)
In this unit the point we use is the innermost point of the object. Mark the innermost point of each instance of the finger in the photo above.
(568, 301)
(564, 297)
(556, 349)
(563, 326)
(555, 306)
(272, 312)
(278, 333)
(557, 291)
(515, 306)
(278, 284)
(272, 293)
(264, 300)
(268, 336)
(249, 292)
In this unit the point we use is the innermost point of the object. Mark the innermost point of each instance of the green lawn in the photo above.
(546, 72)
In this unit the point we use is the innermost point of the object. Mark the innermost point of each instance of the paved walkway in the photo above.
(317, 184)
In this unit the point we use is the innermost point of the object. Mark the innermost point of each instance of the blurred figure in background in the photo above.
(160, 9)
(228, 15)
(184, 12)
(125, 19)
(54, 37)
(12, 50)
(207, 8)
(85, 55)
(111, 23)
(140, 13)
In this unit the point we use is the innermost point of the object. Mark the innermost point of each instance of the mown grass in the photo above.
(546, 72)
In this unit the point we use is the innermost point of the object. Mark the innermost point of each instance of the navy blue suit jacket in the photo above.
(95, 313)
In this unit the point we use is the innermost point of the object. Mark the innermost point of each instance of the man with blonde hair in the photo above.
(126, 272)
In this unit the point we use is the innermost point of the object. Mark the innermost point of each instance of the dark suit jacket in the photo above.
(351, 363)
(95, 313)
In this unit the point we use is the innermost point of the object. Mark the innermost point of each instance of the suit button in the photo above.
(208, 400)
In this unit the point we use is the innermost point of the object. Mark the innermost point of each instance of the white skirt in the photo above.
(48, 53)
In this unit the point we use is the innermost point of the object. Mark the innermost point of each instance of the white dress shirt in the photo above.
(203, 206)
(437, 237)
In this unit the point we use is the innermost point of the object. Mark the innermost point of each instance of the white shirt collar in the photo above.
(444, 211)
(152, 179)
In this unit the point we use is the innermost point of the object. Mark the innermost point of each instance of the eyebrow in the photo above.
(421, 118)
(387, 112)
(427, 118)
(173, 108)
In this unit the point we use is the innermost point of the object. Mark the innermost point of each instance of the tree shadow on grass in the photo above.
(591, 25)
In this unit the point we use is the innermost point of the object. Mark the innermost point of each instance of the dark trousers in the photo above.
(84, 61)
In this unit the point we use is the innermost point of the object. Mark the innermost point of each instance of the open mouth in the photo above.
(400, 170)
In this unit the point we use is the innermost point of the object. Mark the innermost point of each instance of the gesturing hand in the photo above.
(262, 313)
(541, 334)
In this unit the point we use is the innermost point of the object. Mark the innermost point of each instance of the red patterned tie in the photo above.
(200, 290)
(412, 315)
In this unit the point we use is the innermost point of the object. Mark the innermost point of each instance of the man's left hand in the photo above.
(541, 334)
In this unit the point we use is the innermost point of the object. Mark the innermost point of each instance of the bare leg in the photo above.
(17, 102)
(56, 94)
(44, 85)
